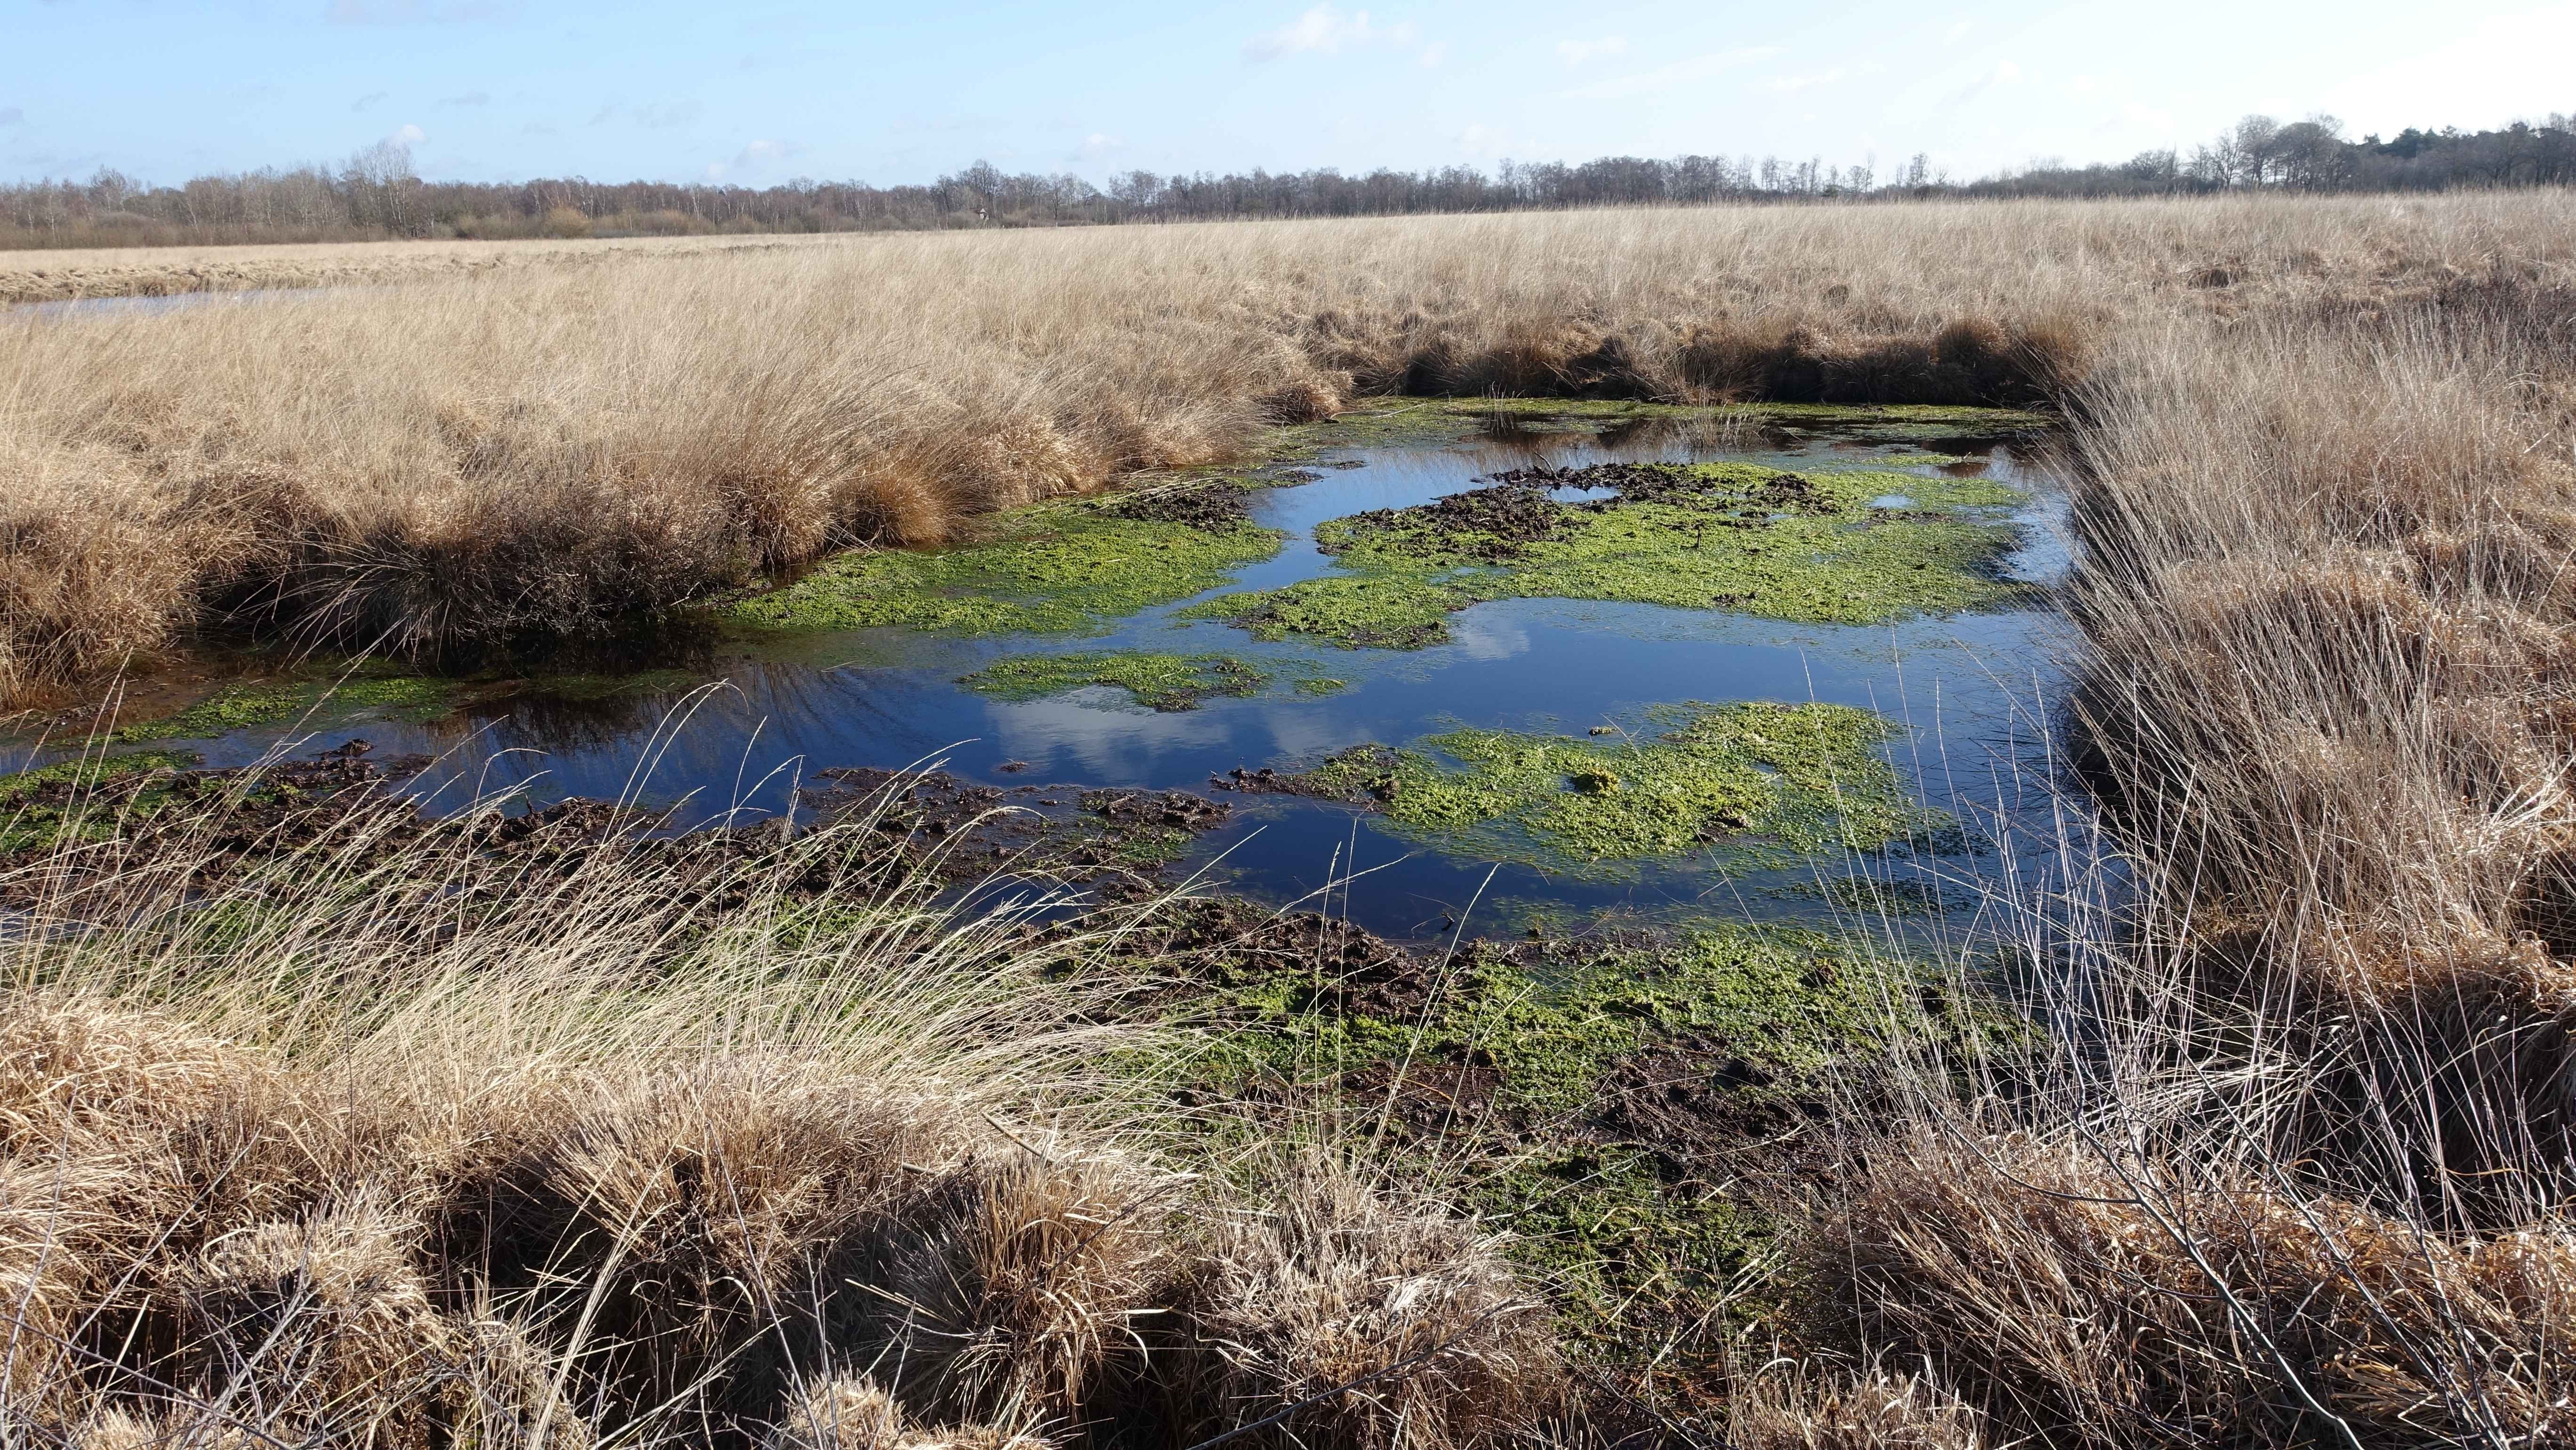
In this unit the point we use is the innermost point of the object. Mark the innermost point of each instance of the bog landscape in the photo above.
(1857, 815)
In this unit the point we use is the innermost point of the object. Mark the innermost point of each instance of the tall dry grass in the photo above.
(395, 1141)
(2292, 1164)
(443, 468)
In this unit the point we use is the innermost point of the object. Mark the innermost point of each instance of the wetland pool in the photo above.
(1531, 743)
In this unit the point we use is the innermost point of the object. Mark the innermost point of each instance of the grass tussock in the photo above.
(440, 468)
(2291, 1166)
(392, 1145)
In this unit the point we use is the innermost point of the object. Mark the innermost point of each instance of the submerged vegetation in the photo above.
(1805, 778)
(1829, 546)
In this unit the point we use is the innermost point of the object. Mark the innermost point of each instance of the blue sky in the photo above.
(757, 93)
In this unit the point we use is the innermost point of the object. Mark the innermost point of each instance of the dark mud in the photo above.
(1215, 504)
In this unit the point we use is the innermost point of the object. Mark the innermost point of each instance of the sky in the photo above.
(494, 90)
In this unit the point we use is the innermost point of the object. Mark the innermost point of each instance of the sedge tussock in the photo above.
(415, 1143)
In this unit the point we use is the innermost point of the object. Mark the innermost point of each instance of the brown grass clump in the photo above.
(2291, 1166)
(638, 1147)
(1367, 1325)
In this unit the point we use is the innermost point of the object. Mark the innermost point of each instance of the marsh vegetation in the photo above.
(2211, 1090)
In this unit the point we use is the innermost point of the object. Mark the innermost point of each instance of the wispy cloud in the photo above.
(1577, 52)
(1958, 32)
(13, 116)
(408, 135)
(470, 98)
(1099, 146)
(1325, 30)
(369, 99)
(1679, 73)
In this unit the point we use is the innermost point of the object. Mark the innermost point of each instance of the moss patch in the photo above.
(1160, 681)
(41, 807)
(1824, 547)
(411, 698)
(1599, 1099)
(1056, 569)
(1796, 779)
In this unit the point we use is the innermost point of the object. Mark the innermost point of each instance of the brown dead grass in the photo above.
(2293, 1166)
(359, 1155)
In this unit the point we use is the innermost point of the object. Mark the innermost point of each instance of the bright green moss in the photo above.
(1843, 547)
(1060, 569)
(1806, 778)
(410, 698)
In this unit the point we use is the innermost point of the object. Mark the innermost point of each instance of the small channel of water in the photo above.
(1973, 695)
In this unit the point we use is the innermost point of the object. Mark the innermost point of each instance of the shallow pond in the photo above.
(1968, 699)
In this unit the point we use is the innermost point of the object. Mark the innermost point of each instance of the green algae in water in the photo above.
(1707, 536)
(410, 698)
(1164, 682)
(1803, 779)
(1059, 569)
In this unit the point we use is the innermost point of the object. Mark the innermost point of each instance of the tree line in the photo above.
(379, 194)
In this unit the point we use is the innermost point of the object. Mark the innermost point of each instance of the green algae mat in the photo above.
(1764, 783)
(1829, 546)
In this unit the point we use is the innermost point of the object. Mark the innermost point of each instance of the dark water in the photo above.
(1973, 696)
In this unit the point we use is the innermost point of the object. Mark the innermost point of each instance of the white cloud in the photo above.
(1099, 146)
(1434, 53)
(1958, 32)
(1576, 52)
(1325, 30)
(752, 158)
(408, 135)
(1679, 73)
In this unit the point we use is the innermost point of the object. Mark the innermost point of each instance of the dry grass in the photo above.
(439, 468)
(63, 275)
(396, 1147)
(2292, 1166)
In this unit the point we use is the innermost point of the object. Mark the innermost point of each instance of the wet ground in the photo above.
(1971, 698)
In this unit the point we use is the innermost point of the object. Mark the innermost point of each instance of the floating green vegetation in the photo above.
(1838, 547)
(39, 807)
(1802, 779)
(1160, 681)
(411, 698)
(1056, 569)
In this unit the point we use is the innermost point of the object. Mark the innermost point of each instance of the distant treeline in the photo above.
(377, 193)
